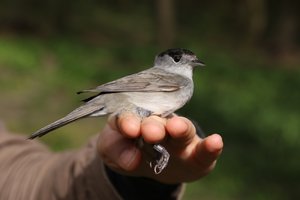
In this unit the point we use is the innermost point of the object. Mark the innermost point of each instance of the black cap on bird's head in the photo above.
(182, 56)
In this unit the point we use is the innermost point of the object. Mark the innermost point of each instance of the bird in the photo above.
(159, 90)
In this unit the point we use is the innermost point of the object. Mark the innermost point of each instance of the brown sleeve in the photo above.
(28, 170)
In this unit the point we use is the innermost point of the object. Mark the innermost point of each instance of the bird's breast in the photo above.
(160, 102)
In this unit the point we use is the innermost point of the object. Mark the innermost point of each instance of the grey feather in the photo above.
(152, 80)
(76, 114)
(160, 90)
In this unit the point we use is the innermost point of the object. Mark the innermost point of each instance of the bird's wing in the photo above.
(145, 81)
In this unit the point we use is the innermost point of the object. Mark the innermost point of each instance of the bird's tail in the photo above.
(83, 111)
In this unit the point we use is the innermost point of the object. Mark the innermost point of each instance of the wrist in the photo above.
(130, 187)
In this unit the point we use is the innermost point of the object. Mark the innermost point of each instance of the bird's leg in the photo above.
(162, 162)
(162, 155)
(156, 155)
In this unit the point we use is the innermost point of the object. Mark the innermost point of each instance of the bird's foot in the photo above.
(161, 163)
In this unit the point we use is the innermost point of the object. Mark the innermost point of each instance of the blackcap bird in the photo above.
(159, 90)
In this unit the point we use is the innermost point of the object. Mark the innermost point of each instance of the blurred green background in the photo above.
(249, 91)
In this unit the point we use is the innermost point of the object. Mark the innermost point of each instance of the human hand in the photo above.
(190, 156)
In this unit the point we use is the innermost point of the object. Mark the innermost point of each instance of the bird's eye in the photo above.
(176, 58)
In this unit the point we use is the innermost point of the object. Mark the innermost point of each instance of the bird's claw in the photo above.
(161, 163)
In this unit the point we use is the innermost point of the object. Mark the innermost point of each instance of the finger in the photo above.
(128, 124)
(207, 151)
(118, 152)
(181, 130)
(153, 129)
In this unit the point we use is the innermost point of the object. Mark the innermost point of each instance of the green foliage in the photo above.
(256, 110)
(248, 92)
(254, 107)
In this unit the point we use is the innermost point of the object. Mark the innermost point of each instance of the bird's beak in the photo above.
(198, 62)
